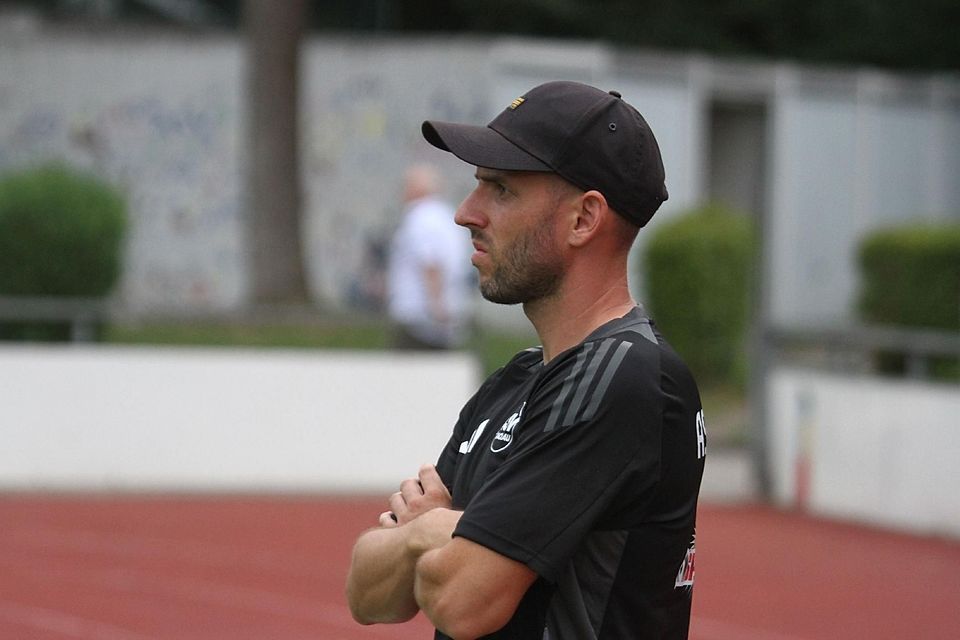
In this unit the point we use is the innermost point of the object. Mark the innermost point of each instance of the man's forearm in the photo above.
(380, 582)
(382, 570)
(467, 590)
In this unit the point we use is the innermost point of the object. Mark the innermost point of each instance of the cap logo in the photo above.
(516, 103)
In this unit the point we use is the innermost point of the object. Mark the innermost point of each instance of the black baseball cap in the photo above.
(591, 138)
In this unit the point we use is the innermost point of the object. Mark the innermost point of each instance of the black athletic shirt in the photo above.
(587, 470)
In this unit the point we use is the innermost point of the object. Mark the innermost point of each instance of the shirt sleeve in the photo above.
(587, 451)
(447, 462)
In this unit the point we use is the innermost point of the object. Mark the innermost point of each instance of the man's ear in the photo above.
(593, 208)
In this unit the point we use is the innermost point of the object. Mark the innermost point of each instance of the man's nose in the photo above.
(469, 214)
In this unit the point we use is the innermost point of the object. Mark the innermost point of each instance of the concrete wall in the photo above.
(867, 449)
(159, 117)
(162, 115)
(163, 419)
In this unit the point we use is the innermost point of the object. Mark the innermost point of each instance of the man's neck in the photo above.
(565, 320)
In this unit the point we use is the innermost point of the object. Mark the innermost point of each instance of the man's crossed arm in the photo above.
(413, 562)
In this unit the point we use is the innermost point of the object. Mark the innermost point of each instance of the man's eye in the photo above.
(499, 188)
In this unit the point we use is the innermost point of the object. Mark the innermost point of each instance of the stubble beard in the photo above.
(527, 271)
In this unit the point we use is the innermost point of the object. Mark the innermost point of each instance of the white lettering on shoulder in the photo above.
(701, 436)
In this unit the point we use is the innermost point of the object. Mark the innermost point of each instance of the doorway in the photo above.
(737, 155)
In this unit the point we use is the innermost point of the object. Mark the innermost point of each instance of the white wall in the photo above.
(876, 450)
(103, 418)
(161, 119)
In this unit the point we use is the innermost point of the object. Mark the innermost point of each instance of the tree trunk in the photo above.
(273, 32)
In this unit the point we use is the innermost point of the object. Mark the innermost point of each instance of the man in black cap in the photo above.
(563, 507)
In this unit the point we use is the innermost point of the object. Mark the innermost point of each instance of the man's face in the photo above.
(511, 216)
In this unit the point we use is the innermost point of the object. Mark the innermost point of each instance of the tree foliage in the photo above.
(918, 35)
(921, 34)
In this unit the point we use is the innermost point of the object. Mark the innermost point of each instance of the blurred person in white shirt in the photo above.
(428, 271)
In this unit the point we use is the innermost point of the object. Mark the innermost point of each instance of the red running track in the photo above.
(141, 568)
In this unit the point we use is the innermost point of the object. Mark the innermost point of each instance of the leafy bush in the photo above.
(60, 235)
(699, 271)
(910, 276)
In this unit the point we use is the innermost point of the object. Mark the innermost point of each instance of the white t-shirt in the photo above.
(428, 236)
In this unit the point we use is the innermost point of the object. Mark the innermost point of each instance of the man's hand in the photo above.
(416, 497)
(382, 569)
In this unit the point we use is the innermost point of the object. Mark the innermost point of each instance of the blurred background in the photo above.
(197, 199)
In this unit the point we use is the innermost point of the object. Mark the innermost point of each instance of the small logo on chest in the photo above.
(504, 436)
(467, 445)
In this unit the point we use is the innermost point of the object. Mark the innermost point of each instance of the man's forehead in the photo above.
(483, 173)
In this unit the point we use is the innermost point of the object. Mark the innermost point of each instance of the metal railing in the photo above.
(846, 347)
(85, 315)
(850, 349)
(82, 314)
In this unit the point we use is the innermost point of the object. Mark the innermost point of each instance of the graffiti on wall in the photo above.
(175, 160)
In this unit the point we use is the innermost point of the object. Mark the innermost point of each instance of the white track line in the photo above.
(195, 554)
(709, 629)
(332, 616)
(66, 624)
(192, 552)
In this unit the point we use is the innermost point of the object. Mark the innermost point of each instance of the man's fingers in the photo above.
(418, 495)
(429, 478)
(397, 503)
(388, 520)
(433, 486)
(411, 489)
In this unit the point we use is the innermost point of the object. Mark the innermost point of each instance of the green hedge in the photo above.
(61, 233)
(910, 276)
(699, 271)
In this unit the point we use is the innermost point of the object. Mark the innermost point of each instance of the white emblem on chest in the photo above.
(467, 445)
(504, 435)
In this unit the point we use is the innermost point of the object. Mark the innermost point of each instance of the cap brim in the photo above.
(480, 146)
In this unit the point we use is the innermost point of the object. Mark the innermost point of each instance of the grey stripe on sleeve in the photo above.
(567, 387)
(586, 381)
(608, 373)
